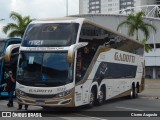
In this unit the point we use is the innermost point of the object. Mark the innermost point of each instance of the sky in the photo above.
(36, 9)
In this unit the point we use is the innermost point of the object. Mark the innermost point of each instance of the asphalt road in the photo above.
(121, 107)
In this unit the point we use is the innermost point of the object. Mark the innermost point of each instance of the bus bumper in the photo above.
(66, 101)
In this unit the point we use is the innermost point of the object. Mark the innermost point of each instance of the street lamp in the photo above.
(66, 7)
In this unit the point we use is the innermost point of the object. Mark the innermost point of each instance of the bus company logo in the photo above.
(6, 114)
(40, 91)
(124, 57)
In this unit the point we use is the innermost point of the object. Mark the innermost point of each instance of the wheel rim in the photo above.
(136, 92)
(131, 94)
(91, 98)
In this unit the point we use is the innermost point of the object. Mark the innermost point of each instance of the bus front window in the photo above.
(50, 34)
(29, 66)
(50, 69)
(56, 68)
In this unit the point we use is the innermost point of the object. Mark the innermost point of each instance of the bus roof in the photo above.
(54, 20)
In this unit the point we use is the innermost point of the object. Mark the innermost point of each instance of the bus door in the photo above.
(140, 67)
(78, 88)
(78, 95)
(1, 76)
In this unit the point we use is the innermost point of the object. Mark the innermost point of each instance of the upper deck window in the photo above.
(50, 34)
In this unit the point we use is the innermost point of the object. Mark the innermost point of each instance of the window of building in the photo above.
(158, 45)
(109, 5)
(110, 9)
(97, 6)
(97, 2)
(151, 45)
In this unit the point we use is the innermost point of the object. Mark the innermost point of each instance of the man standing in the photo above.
(10, 88)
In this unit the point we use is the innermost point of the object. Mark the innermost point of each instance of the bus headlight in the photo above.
(20, 92)
(65, 93)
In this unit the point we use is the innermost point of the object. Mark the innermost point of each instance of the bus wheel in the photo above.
(92, 98)
(101, 96)
(135, 92)
(132, 92)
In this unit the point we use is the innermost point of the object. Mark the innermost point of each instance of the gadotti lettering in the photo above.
(124, 57)
(37, 91)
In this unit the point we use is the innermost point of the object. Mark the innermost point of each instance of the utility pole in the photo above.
(66, 7)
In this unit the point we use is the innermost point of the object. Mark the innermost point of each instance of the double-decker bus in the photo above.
(8, 62)
(71, 62)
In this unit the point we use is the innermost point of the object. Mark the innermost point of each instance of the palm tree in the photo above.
(18, 28)
(136, 23)
(147, 47)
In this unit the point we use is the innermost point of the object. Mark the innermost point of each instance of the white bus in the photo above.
(71, 62)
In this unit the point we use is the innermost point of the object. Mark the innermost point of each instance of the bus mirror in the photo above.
(10, 52)
(72, 50)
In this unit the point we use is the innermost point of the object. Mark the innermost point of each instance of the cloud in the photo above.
(44, 8)
(37, 8)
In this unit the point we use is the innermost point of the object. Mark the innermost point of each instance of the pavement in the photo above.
(152, 88)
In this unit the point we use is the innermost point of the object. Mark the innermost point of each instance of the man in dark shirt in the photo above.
(10, 88)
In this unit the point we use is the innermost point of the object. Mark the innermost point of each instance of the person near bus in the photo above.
(20, 107)
(10, 88)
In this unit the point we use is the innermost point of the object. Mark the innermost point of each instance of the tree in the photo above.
(136, 23)
(147, 47)
(18, 28)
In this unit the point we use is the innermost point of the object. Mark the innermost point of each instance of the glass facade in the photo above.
(103, 6)
(94, 6)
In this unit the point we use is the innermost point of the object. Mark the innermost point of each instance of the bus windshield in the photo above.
(46, 69)
(2, 44)
(50, 34)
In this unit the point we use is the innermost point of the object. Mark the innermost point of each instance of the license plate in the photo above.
(40, 102)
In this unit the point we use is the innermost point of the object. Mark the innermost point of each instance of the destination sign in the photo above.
(44, 48)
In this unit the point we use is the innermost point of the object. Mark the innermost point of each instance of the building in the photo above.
(109, 6)
(144, 2)
(124, 4)
(83, 6)
(99, 6)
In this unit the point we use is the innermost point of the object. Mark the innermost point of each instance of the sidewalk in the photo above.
(152, 88)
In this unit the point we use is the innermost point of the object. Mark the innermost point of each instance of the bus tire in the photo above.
(92, 99)
(45, 107)
(132, 92)
(101, 96)
(135, 92)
